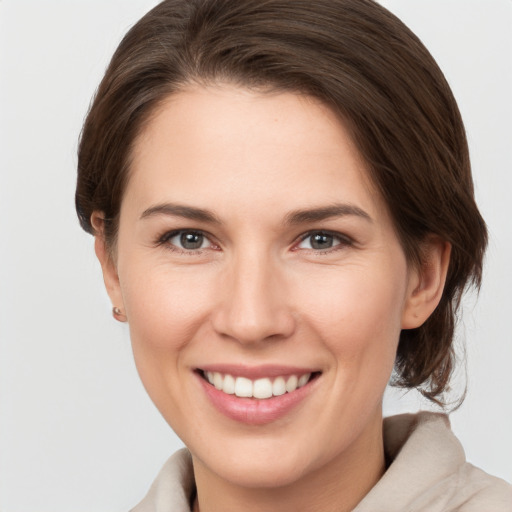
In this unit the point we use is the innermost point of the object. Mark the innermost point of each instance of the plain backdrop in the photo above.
(77, 432)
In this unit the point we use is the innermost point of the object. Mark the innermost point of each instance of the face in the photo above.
(263, 282)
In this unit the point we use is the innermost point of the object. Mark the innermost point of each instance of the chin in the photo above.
(262, 461)
(247, 471)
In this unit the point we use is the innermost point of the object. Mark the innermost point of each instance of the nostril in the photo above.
(254, 327)
(253, 306)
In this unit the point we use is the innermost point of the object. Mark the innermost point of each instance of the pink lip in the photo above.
(253, 411)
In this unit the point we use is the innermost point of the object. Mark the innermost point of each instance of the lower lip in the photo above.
(253, 411)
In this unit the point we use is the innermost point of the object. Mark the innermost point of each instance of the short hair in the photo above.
(359, 60)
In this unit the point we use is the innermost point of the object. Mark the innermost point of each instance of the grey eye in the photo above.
(323, 240)
(189, 240)
(319, 241)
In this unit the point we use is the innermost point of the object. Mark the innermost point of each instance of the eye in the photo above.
(186, 240)
(322, 240)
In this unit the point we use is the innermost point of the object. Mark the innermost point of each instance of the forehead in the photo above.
(232, 146)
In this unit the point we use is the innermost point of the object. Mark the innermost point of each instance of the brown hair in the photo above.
(354, 56)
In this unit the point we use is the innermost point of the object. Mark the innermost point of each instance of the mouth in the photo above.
(262, 388)
(256, 396)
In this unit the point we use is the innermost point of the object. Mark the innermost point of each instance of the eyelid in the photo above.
(344, 240)
(163, 240)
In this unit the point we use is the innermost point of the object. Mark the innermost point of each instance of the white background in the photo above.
(77, 432)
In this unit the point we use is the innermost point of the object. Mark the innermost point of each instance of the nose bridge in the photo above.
(254, 307)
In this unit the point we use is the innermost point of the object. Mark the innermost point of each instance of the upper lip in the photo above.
(257, 372)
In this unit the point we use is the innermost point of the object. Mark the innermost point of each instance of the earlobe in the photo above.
(108, 267)
(426, 283)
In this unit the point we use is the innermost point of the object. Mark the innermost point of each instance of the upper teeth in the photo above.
(259, 388)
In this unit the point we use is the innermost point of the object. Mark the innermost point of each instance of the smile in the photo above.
(257, 395)
(262, 388)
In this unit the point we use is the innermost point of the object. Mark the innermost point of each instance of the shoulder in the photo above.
(173, 487)
(429, 471)
(477, 491)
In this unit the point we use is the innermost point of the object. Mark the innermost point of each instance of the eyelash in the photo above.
(343, 241)
(164, 239)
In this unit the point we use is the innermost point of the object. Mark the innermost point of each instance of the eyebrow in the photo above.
(324, 213)
(302, 216)
(178, 210)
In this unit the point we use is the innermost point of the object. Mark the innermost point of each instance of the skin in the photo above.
(258, 292)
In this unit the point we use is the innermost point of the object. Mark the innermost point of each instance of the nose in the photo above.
(253, 304)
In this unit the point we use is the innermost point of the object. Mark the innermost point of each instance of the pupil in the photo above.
(191, 240)
(321, 241)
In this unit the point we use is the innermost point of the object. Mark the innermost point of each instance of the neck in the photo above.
(337, 486)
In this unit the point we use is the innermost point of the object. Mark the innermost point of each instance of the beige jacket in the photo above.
(428, 473)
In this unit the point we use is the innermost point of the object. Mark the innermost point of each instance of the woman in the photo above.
(283, 208)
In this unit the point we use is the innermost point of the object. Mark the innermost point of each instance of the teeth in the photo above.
(291, 383)
(260, 388)
(217, 380)
(303, 380)
(229, 385)
(279, 386)
(243, 387)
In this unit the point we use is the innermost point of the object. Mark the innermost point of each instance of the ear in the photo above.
(108, 265)
(426, 282)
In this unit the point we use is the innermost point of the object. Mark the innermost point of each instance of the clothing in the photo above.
(428, 473)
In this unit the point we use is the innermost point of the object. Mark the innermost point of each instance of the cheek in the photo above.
(357, 312)
(166, 308)
(165, 311)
